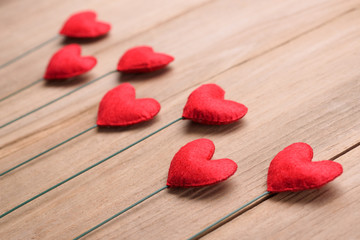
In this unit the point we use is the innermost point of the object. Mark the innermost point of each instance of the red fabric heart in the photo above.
(292, 170)
(120, 108)
(67, 63)
(84, 25)
(191, 166)
(206, 105)
(142, 59)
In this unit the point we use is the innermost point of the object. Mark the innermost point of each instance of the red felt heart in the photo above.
(206, 105)
(67, 63)
(292, 170)
(120, 108)
(84, 25)
(191, 166)
(142, 59)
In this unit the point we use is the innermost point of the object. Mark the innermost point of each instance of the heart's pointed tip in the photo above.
(338, 169)
(168, 58)
(91, 62)
(243, 110)
(121, 68)
(232, 168)
(107, 27)
(274, 190)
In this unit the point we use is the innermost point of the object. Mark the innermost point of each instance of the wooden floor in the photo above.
(294, 64)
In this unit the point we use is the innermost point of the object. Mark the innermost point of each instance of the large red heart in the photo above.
(67, 63)
(120, 108)
(143, 59)
(84, 25)
(206, 104)
(191, 166)
(292, 170)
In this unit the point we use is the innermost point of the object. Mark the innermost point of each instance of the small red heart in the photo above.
(191, 166)
(292, 170)
(206, 105)
(119, 107)
(67, 62)
(84, 25)
(143, 59)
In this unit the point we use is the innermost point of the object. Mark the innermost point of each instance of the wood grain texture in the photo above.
(293, 64)
(327, 213)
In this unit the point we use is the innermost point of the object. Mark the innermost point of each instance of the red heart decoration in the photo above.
(191, 166)
(120, 108)
(142, 59)
(67, 63)
(84, 25)
(206, 105)
(292, 170)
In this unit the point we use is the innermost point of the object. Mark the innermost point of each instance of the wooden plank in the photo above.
(326, 213)
(191, 67)
(316, 58)
(128, 19)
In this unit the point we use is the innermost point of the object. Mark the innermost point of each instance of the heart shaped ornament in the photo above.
(143, 59)
(192, 166)
(84, 25)
(119, 107)
(67, 63)
(293, 170)
(207, 105)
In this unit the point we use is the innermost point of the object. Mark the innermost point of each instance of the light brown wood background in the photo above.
(294, 64)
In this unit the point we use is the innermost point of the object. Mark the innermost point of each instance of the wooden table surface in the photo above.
(294, 64)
